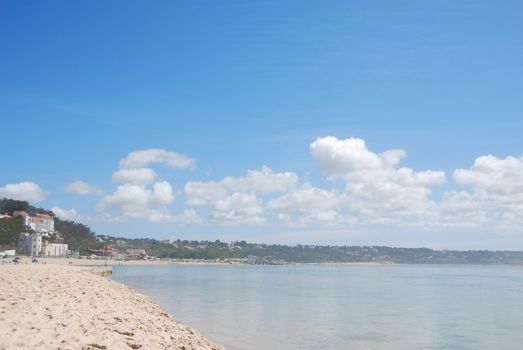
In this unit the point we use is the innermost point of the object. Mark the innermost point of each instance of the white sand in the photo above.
(62, 307)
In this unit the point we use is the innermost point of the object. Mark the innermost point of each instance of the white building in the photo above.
(31, 244)
(7, 253)
(44, 223)
(136, 253)
(54, 249)
(40, 223)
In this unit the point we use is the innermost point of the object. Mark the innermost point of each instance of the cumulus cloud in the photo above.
(143, 158)
(238, 208)
(188, 216)
(366, 188)
(141, 195)
(82, 188)
(133, 201)
(262, 181)
(204, 192)
(66, 214)
(27, 191)
(135, 176)
(233, 200)
(307, 205)
(377, 190)
(493, 195)
(225, 207)
(493, 176)
(342, 157)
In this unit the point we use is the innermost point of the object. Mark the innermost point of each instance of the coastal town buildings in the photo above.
(7, 253)
(136, 253)
(30, 243)
(40, 226)
(40, 223)
(54, 249)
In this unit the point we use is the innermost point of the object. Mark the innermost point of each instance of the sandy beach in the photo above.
(51, 306)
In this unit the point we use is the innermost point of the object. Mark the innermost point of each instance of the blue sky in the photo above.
(238, 85)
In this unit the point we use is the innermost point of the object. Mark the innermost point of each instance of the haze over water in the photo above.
(341, 306)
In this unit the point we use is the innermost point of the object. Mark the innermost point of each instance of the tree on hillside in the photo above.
(11, 205)
(10, 229)
(78, 236)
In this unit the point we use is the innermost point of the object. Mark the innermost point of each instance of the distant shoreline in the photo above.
(201, 262)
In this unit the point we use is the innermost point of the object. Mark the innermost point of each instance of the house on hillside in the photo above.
(136, 253)
(40, 223)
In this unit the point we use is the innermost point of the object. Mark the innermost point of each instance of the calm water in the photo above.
(341, 307)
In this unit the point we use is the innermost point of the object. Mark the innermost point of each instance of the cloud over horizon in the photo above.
(377, 189)
(66, 214)
(364, 188)
(143, 158)
(82, 188)
(140, 194)
(235, 200)
(27, 191)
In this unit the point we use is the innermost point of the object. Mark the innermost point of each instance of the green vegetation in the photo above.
(80, 237)
(275, 254)
(10, 231)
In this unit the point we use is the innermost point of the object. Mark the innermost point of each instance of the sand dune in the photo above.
(62, 307)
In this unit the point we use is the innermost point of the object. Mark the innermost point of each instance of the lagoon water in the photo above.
(341, 306)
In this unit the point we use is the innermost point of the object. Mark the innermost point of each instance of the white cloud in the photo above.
(27, 191)
(341, 157)
(204, 192)
(188, 216)
(238, 208)
(135, 176)
(82, 188)
(66, 214)
(377, 191)
(143, 158)
(307, 205)
(367, 188)
(233, 200)
(223, 206)
(494, 199)
(493, 176)
(132, 201)
(262, 181)
(141, 195)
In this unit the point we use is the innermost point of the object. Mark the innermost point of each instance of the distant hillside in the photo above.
(254, 253)
(81, 238)
(78, 236)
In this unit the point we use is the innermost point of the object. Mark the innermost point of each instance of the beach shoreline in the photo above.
(52, 306)
(116, 262)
